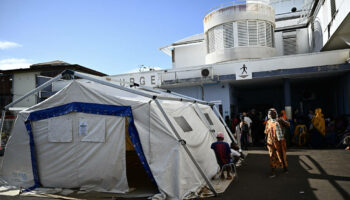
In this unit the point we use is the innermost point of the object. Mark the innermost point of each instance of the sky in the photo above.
(110, 36)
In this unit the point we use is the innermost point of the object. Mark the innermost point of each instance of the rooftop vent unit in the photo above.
(240, 30)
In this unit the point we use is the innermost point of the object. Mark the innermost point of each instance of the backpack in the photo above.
(245, 128)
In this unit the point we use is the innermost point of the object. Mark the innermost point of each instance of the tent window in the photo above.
(59, 133)
(181, 121)
(208, 118)
(92, 129)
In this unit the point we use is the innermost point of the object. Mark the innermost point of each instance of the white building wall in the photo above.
(23, 83)
(191, 55)
(210, 92)
(191, 91)
(302, 41)
(219, 92)
(279, 43)
(285, 6)
(325, 18)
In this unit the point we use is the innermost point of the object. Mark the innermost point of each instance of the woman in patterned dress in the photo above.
(276, 143)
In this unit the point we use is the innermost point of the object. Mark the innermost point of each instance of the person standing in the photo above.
(244, 129)
(276, 143)
(249, 122)
(285, 126)
(318, 129)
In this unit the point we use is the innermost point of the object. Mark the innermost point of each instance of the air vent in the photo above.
(205, 72)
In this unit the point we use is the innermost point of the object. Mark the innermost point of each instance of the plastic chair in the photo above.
(232, 167)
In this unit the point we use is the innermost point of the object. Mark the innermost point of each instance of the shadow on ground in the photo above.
(254, 181)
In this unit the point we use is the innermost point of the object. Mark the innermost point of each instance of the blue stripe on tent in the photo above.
(33, 157)
(89, 108)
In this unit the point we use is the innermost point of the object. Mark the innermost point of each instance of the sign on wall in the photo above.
(146, 79)
(244, 72)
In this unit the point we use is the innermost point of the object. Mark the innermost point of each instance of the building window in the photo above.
(262, 33)
(211, 41)
(228, 35)
(181, 121)
(220, 37)
(242, 33)
(255, 33)
(333, 8)
(289, 43)
(173, 55)
(250, 33)
(269, 35)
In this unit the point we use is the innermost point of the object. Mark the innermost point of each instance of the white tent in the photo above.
(78, 138)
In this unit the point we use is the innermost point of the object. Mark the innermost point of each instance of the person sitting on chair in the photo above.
(223, 154)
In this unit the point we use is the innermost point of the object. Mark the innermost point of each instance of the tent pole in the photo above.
(34, 90)
(201, 113)
(23, 97)
(127, 89)
(183, 143)
(223, 121)
(80, 75)
(175, 94)
(187, 99)
(3, 113)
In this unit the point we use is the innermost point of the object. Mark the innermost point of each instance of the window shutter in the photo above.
(253, 33)
(211, 41)
(289, 43)
(262, 33)
(242, 33)
(228, 35)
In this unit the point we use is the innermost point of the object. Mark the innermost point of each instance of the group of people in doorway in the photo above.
(278, 133)
(311, 130)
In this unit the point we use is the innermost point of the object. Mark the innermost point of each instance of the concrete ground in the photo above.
(313, 174)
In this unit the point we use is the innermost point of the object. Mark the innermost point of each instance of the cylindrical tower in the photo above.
(240, 30)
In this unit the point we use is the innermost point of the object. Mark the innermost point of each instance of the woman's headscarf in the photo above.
(318, 121)
(269, 113)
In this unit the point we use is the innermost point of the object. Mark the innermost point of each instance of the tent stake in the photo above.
(185, 147)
